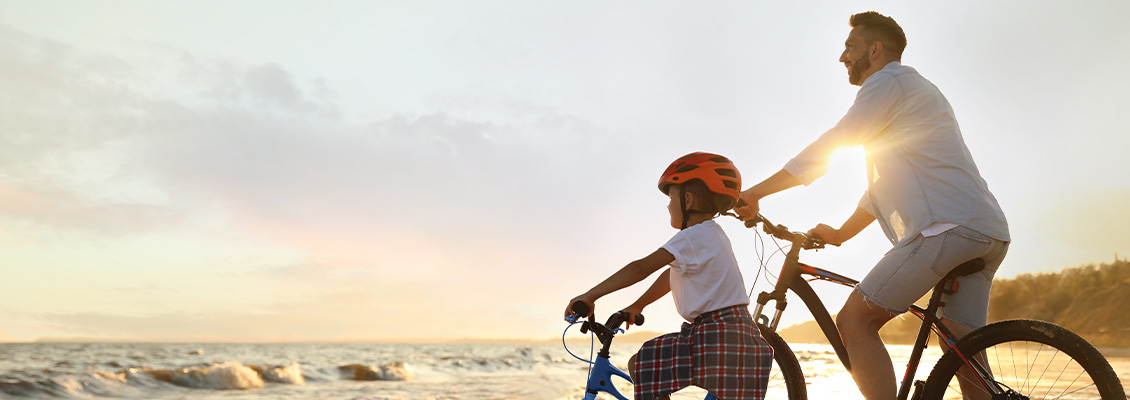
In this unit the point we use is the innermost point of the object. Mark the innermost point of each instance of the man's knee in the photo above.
(860, 314)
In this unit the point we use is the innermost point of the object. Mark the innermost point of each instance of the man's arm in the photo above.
(859, 220)
(779, 181)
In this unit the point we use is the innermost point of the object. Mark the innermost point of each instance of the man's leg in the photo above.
(859, 322)
(966, 379)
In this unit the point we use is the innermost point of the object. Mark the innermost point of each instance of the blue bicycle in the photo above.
(785, 377)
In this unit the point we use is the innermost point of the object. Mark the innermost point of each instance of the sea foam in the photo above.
(291, 374)
(228, 375)
(396, 371)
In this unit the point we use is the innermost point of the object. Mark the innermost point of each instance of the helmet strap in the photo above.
(683, 206)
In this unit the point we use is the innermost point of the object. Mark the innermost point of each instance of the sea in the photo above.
(368, 371)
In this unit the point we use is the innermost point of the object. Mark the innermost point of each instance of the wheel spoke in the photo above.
(1057, 377)
(1046, 367)
(1047, 363)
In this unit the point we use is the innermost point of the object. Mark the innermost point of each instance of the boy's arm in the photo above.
(627, 276)
(660, 288)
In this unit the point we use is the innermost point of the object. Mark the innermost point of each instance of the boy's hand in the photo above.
(584, 299)
(632, 313)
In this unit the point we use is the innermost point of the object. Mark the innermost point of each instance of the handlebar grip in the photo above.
(620, 317)
(581, 309)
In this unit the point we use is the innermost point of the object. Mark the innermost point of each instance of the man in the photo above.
(923, 188)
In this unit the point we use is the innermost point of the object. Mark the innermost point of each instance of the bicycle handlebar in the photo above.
(581, 309)
(806, 241)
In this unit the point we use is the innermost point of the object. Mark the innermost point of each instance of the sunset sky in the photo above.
(278, 170)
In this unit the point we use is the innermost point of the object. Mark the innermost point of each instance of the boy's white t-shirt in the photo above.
(705, 275)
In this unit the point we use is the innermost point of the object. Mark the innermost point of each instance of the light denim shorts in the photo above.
(906, 273)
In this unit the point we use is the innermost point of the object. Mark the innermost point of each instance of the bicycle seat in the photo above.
(949, 283)
(969, 267)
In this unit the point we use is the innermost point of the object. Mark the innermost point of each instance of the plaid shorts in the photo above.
(722, 352)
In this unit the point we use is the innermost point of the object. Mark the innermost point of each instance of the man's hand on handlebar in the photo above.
(747, 207)
(829, 234)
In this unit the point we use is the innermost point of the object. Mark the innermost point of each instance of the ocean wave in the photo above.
(288, 374)
(395, 371)
(96, 383)
(228, 375)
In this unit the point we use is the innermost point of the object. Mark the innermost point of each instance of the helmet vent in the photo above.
(726, 172)
(685, 168)
(731, 185)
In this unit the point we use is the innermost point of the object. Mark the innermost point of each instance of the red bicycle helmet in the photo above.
(717, 172)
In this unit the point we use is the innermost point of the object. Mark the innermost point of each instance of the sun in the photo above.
(849, 158)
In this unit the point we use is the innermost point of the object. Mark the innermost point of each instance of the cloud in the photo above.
(60, 210)
(67, 115)
(466, 203)
(346, 313)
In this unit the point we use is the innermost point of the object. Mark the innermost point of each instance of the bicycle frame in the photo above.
(792, 278)
(600, 379)
(600, 376)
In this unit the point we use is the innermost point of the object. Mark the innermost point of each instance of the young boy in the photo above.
(720, 348)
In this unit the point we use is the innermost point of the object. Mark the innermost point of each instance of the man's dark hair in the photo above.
(879, 27)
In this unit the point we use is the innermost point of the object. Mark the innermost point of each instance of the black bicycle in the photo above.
(1014, 359)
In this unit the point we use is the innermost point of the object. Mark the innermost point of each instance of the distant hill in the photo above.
(628, 337)
(1089, 300)
(83, 339)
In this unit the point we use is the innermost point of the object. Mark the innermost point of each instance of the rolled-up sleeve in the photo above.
(874, 105)
(866, 205)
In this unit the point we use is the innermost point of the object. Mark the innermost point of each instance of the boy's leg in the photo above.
(859, 322)
(632, 367)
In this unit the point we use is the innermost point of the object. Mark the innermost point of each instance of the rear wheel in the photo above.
(786, 379)
(1029, 359)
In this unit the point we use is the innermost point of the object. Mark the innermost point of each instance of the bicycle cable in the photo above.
(592, 344)
(760, 251)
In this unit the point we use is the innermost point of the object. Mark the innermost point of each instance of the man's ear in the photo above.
(875, 49)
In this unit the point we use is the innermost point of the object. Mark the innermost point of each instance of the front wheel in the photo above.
(786, 379)
(1028, 359)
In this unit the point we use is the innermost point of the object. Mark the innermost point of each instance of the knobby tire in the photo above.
(786, 379)
(1035, 359)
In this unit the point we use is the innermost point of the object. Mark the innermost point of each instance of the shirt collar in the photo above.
(890, 67)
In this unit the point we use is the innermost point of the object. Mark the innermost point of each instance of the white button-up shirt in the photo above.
(919, 171)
